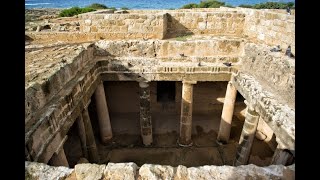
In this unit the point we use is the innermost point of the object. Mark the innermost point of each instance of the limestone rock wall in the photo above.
(213, 23)
(130, 171)
(274, 70)
(65, 90)
(44, 83)
(166, 49)
(270, 27)
(125, 26)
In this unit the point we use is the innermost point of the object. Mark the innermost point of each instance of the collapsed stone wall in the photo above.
(117, 171)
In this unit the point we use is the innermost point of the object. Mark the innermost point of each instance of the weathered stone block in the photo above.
(120, 171)
(89, 171)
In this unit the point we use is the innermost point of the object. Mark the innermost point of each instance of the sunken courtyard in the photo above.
(161, 94)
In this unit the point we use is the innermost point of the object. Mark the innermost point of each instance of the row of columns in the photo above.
(248, 131)
(89, 147)
(85, 131)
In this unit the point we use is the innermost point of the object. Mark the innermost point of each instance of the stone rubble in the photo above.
(130, 171)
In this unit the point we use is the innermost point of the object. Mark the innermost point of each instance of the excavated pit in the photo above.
(127, 146)
(63, 78)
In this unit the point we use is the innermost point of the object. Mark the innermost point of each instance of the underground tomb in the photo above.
(140, 101)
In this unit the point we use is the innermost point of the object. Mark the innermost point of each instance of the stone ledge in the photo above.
(130, 171)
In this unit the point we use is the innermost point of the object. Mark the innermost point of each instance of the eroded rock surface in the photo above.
(130, 171)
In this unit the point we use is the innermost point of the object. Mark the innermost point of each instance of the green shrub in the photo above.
(74, 11)
(190, 6)
(97, 6)
(124, 8)
(217, 4)
(211, 4)
(273, 5)
(229, 6)
(245, 6)
(205, 4)
(290, 4)
(113, 8)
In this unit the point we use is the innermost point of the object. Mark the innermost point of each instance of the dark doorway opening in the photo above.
(166, 91)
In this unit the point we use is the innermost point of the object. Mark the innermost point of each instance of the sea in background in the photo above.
(132, 4)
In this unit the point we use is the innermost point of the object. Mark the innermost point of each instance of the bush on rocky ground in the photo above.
(269, 5)
(74, 11)
(217, 4)
(77, 10)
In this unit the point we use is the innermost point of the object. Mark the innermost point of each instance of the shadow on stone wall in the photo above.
(175, 28)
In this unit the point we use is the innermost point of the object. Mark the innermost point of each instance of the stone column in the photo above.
(282, 156)
(59, 157)
(186, 114)
(90, 141)
(82, 135)
(227, 114)
(247, 136)
(103, 114)
(145, 115)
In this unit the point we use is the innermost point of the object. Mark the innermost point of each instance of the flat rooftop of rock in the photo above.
(41, 62)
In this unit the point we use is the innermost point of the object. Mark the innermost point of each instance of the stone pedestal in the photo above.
(103, 114)
(247, 136)
(186, 114)
(90, 141)
(282, 156)
(145, 114)
(227, 114)
(59, 159)
(82, 136)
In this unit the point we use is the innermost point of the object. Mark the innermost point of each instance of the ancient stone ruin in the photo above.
(161, 94)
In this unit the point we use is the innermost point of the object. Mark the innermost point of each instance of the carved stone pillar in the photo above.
(103, 114)
(90, 141)
(186, 114)
(82, 136)
(247, 136)
(145, 114)
(227, 114)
